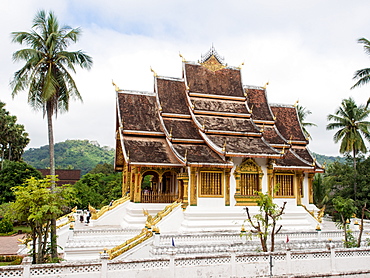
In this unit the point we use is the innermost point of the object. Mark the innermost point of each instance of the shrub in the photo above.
(6, 226)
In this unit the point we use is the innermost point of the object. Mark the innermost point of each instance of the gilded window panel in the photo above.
(285, 184)
(211, 184)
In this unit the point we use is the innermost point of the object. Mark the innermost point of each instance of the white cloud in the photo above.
(306, 51)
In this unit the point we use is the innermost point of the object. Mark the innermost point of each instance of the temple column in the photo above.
(130, 186)
(297, 187)
(137, 186)
(124, 180)
(185, 179)
(227, 187)
(310, 188)
(270, 180)
(193, 187)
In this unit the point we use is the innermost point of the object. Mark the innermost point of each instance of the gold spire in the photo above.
(283, 150)
(115, 86)
(224, 147)
(251, 109)
(240, 66)
(171, 133)
(186, 156)
(182, 57)
(154, 73)
(296, 103)
(263, 128)
(265, 86)
(275, 116)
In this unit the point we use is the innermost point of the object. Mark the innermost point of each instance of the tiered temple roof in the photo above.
(205, 118)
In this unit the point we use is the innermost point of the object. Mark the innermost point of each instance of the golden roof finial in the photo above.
(251, 109)
(263, 128)
(240, 66)
(283, 150)
(115, 86)
(296, 103)
(275, 116)
(224, 147)
(154, 73)
(265, 86)
(246, 92)
(182, 57)
(186, 156)
(290, 139)
(171, 133)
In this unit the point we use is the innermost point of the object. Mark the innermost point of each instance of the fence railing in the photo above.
(155, 197)
(231, 264)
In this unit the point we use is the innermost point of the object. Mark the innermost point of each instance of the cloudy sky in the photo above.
(307, 50)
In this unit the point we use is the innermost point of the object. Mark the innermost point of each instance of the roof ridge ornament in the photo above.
(116, 88)
(212, 60)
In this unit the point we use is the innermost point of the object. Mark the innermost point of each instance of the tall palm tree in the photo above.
(362, 76)
(350, 119)
(46, 73)
(302, 114)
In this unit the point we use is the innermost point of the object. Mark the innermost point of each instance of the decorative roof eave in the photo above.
(227, 132)
(253, 87)
(180, 116)
(185, 140)
(281, 146)
(303, 168)
(132, 92)
(226, 114)
(202, 95)
(170, 78)
(221, 152)
(263, 122)
(218, 165)
(297, 142)
(139, 132)
(184, 162)
(126, 156)
(156, 164)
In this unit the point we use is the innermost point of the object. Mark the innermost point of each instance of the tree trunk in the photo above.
(53, 230)
(355, 174)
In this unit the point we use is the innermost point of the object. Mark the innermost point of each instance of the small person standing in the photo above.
(81, 218)
(88, 217)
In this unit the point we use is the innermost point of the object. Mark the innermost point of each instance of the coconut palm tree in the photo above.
(350, 119)
(362, 76)
(302, 114)
(46, 74)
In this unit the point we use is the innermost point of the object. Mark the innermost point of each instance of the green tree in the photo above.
(14, 173)
(362, 76)
(13, 138)
(345, 209)
(45, 74)
(264, 223)
(104, 168)
(37, 205)
(98, 189)
(350, 119)
(302, 115)
(321, 191)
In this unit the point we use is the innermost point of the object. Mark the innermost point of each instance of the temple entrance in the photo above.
(156, 188)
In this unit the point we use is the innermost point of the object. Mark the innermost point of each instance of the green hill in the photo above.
(328, 159)
(81, 155)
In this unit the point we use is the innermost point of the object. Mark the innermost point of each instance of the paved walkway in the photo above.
(9, 244)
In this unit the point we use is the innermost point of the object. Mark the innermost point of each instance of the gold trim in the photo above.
(213, 64)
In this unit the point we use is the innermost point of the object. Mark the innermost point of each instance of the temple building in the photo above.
(210, 142)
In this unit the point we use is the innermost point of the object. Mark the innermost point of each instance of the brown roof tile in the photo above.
(138, 112)
(287, 123)
(149, 150)
(243, 145)
(172, 96)
(198, 153)
(182, 129)
(227, 124)
(257, 101)
(304, 154)
(213, 105)
(272, 137)
(291, 159)
(222, 82)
